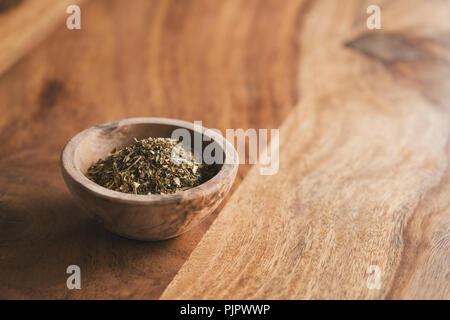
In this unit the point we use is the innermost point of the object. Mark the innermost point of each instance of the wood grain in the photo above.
(219, 62)
(24, 23)
(364, 173)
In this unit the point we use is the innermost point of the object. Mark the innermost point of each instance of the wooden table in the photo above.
(363, 188)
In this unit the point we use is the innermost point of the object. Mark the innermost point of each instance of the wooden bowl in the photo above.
(143, 217)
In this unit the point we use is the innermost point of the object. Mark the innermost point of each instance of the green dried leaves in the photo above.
(150, 166)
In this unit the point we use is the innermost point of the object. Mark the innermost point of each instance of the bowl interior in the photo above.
(101, 141)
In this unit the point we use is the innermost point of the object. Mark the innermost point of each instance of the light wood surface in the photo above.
(364, 172)
(24, 23)
(364, 155)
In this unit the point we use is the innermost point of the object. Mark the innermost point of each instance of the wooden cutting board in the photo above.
(359, 207)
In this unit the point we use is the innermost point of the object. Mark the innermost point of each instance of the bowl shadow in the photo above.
(40, 239)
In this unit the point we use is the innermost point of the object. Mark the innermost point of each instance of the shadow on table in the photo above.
(40, 238)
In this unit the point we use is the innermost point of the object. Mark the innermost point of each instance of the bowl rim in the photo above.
(226, 172)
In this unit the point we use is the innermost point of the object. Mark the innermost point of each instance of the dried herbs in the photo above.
(150, 166)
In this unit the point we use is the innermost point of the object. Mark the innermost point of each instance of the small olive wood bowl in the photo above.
(143, 217)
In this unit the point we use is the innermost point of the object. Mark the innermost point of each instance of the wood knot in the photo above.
(50, 93)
